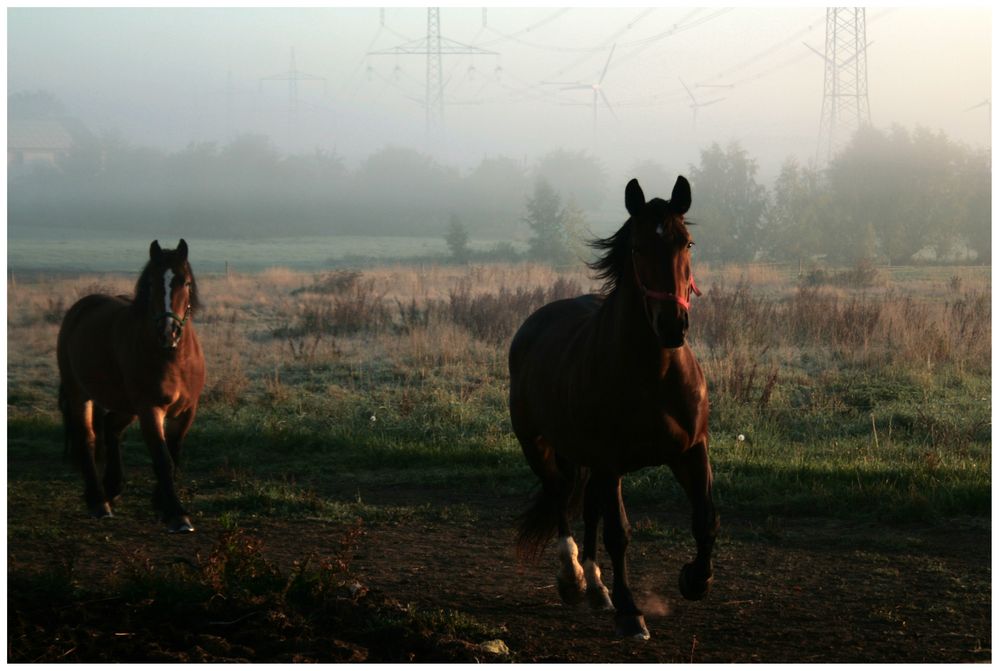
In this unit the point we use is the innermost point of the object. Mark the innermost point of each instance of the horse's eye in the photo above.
(187, 284)
(690, 245)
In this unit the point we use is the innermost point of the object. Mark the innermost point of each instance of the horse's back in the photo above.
(91, 312)
(86, 338)
(552, 324)
(539, 353)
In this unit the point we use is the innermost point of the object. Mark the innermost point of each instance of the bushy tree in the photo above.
(495, 189)
(798, 221)
(401, 190)
(910, 188)
(974, 191)
(545, 219)
(457, 240)
(728, 204)
(576, 232)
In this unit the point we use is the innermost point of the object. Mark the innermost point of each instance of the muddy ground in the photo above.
(786, 590)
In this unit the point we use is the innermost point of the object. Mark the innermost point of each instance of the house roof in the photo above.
(38, 134)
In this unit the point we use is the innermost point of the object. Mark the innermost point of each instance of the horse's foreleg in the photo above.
(596, 593)
(628, 620)
(693, 472)
(176, 428)
(165, 499)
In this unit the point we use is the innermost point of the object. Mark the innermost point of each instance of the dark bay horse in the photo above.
(603, 385)
(124, 357)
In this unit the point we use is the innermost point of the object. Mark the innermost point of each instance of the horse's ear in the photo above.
(634, 198)
(182, 250)
(679, 202)
(155, 252)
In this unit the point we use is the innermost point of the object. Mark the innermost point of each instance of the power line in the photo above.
(514, 36)
(646, 42)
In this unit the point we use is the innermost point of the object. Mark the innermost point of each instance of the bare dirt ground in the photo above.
(785, 591)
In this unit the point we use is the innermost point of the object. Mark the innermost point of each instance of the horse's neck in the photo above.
(628, 345)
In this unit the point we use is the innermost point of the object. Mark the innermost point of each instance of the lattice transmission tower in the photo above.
(845, 105)
(434, 47)
(292, 76)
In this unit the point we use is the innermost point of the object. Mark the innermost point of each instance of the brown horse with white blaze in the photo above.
(603, 385)
(122, 358)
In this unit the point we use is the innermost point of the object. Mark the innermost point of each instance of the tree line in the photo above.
(891, 195)
(246, 188)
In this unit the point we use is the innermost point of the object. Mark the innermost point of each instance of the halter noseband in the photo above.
(175, 337)
(174, 316)
(683, 302)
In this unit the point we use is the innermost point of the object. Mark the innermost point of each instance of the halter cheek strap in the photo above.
(682, 301)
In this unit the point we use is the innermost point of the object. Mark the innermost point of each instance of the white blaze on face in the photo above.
(167, 281)
(166, 324)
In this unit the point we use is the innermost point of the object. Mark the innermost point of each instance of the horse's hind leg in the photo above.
(596, 592)
(115, 424)
(79, 418)
(693, 471)
(560, 481)
(570, 579)
(628, 620)
(550, 513)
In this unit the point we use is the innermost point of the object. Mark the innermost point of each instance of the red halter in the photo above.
(683, 302)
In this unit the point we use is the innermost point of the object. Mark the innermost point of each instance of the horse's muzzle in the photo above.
(671, 327)
(170, 333)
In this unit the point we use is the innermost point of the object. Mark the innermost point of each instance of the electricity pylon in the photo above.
(845, 104)
(434, 47)
(293, 76)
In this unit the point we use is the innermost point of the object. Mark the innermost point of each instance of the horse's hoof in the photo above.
(599, 598)
(692, 588)
(180, 525)
(101, 511)
(571, 590)
(631, 626)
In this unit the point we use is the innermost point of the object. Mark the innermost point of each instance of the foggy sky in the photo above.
(168, 77)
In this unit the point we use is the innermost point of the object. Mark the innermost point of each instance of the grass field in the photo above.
(378, 398)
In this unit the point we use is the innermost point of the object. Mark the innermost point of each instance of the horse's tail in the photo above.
(537, 524)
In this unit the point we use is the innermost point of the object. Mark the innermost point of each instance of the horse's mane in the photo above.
(143, 286)
(612, 265)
